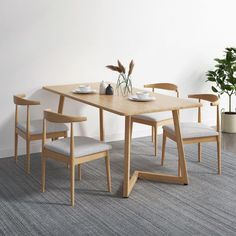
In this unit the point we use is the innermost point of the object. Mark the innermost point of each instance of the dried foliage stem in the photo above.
(124, 82)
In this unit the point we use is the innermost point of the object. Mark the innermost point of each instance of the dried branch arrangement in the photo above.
(124, 83)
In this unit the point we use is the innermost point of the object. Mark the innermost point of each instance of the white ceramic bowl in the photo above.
(142, 95)
(84, 88)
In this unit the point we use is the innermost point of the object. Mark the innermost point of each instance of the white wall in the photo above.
(58, 42)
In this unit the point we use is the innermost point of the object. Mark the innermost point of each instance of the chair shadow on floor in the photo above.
(79, 192)
(28, 186)
(24, 188)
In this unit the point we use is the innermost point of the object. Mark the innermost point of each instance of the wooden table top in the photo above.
(121, 105)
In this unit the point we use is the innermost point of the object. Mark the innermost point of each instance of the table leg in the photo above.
(101, 124)
(129, 182)
(61, 104)
(182, 162)
(60, 110)
(126, 187)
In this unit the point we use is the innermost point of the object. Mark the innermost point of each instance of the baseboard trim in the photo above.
(34, 148)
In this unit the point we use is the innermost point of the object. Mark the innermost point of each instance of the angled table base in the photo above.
(129, 182)
(153, 177)
(122, 106)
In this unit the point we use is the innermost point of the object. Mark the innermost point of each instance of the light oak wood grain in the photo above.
(20, 100)
(122, 106)
(214, 100)
(101, 124)
(73, 160)
(155, 124)
(165, 86)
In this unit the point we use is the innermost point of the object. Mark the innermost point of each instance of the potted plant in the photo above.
(124, 82)
(224, 77)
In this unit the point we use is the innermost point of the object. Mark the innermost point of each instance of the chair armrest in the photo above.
(213, 99)
(165, 86)
(21, 100)
(59, 118)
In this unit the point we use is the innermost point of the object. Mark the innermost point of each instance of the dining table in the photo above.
(123, 106)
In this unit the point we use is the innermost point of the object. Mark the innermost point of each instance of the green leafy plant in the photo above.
(224, 76)
(124, 82)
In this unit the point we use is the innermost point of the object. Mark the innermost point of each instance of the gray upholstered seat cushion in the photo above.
(192, 130)
(83, 146)
(36, 127)
(158, 116)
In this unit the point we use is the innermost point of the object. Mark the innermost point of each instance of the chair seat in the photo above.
(36, 127)
(83, 146)
(157, 116)
(192, 130)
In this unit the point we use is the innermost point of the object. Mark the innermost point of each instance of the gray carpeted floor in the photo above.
(207, 206)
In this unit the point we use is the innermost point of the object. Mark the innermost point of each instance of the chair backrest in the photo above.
(164, 86)
(214, 101)
(20, 100)
(59, 118)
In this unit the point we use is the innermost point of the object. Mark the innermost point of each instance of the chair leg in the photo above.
(28, 156)
(79, 172)
(163, 148)
(179, 170)
(107, 159)
(43, 159)
(155, 141)
(152, 133)
(65, 136)
(72, 184)
(199, 152)
(219, 154)
(16, 147)
(131, 128)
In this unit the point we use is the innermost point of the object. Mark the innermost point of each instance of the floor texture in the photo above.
(207, 206)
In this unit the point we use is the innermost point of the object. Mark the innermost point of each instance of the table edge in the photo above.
(195, 105)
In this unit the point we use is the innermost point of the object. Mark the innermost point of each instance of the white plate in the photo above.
(136, 99)
(83, 92)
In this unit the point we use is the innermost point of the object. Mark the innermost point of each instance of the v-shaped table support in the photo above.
(129, 182)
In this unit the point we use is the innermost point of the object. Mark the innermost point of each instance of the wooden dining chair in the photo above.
(32, 129)
(196, 132)
(155, 120)
(74, 150)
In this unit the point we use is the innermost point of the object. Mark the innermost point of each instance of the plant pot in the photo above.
(228, 122)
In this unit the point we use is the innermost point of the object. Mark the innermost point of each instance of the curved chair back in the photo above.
(207, 97)
(164, 86)
(59, 118)
(20, 100)
(214, 101)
